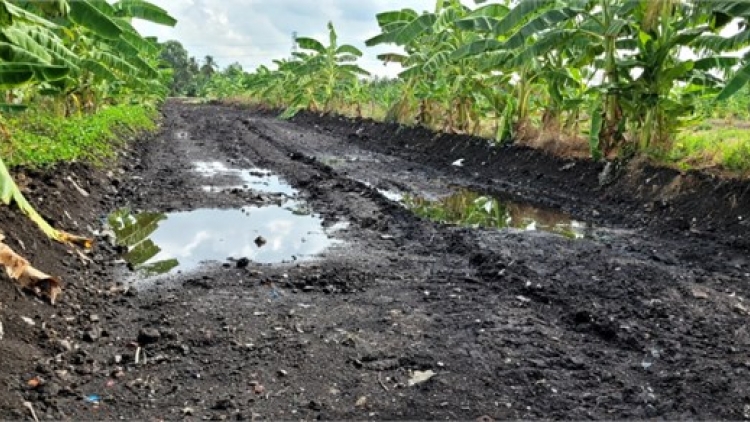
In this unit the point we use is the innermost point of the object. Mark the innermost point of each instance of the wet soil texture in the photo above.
(252, 268)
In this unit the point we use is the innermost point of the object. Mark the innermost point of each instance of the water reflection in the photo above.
(132, 232)
(474, 209)
(257, 179)
(159, 243)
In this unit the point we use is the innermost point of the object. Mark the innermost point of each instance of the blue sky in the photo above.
(253, 32)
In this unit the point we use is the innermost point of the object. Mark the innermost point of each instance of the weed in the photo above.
(39, 139)
(726, 147)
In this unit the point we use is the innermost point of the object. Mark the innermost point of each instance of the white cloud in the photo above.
(254, 32)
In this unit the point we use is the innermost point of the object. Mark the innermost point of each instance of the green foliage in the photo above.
(38, 138)
(631, 73)
(464, 208)
(711, 144)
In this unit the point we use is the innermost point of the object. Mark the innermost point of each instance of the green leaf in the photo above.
(12, 108)
(476, 48)
(349, 49)
(311, 44)
(736, 83)
(85, 14)
(144, 10)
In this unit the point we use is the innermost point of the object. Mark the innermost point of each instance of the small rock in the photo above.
(313, 405)
(361, 402)
(243, 263)
(224, 404)
(1, 330)
(65, 345)
(148, 336)
(91, 335)
(94, 318)
(282, 373)
(51, 389)
(699, 293)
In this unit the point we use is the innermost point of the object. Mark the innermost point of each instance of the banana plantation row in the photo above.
(619, 75)
(66, 59)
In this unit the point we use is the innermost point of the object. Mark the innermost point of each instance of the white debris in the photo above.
(458, 163)
(418, 377)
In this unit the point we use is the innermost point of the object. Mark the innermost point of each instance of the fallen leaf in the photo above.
(26, 276)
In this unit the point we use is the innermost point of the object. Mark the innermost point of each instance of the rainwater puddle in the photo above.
(257, 179)
(473, 209)
(160, 243)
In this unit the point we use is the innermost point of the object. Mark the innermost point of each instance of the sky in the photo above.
(254, 32)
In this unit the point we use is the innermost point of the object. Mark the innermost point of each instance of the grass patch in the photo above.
(711, 146)
(39, 139)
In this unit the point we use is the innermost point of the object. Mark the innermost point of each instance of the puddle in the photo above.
(256, 179)
(473, 209)
(159, 243)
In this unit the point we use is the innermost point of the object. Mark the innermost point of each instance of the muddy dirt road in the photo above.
(324, 297)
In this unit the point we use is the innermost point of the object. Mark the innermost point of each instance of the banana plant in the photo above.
(617, 38)
(330, 66)
(43, 45)
(428, 40)
(721, 14)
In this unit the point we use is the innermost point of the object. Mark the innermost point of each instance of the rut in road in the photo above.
(504, 323)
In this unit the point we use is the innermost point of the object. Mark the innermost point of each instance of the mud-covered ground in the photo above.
(401, 317)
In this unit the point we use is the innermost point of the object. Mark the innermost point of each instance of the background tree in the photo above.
(184, 68)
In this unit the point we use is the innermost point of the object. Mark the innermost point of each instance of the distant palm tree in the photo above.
(209, 66)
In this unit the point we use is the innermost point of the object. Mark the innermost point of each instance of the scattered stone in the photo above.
(1, 330)
(148, 336)
(28, 321)
(361, 402)
(64, 345)
(92, 335)
(51, 389)
(282, 373)
(243, 263)
(699, 293)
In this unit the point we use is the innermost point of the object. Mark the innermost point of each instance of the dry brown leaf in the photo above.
(26, 276)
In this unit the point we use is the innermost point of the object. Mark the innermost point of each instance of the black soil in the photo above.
(647, 320)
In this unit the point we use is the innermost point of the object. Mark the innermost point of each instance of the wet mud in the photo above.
(322, 268)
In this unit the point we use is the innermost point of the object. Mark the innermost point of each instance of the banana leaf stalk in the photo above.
(10, 193)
